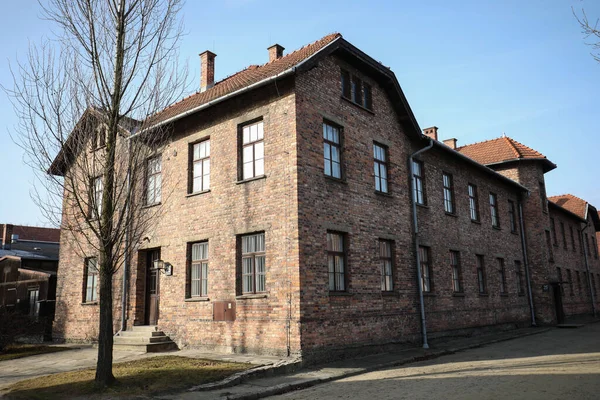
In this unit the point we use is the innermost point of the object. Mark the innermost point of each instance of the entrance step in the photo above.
(569, 326)
(145, 338)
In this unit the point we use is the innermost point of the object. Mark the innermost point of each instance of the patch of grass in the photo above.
(134, 378)
(26, 350)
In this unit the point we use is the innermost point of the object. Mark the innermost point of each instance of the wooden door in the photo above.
(152, 287)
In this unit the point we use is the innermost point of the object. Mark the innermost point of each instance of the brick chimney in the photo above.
(275, 52)
(431, 132)
(451, 143)
(207, 70)
(7, 230)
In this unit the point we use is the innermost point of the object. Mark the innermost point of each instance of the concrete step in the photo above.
(140, 333)
(145, 338)
(140, 340)
(147, 347)
(143, 328)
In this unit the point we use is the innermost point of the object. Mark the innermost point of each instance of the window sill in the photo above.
(503, 294)
(197, 193)
(252, 296)
(458, 294)
(476, 222)
(514, 232)
(255, 178)
(340, 294)
(451, 214)
(334, 179)
(429, 294)
(422, 205)
(357, 105)
(484, 295)
(523, 294)
(196, 299)
(90, 303)
(151, 205)
(496, 228)
(390, 293)
(384, 194)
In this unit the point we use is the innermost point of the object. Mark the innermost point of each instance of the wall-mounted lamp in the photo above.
(163, 266)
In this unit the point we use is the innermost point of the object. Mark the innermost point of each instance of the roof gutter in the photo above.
(280, 75)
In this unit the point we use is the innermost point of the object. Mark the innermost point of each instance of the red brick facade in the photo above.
(296, 205)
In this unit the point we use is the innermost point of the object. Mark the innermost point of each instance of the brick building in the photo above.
(290, 229)
(28, 267)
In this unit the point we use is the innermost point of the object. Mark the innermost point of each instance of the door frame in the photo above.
(150, 256)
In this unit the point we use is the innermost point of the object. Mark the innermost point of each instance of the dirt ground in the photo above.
(559, 364)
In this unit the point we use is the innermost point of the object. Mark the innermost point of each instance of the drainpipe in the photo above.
(416, 240)
(587, 268)
(126, 258)
(526, 262)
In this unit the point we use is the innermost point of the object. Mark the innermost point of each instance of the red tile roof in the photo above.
(500, 150)
(570, 203)
(251, 75)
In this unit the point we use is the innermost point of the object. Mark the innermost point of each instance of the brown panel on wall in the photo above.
(224, 311)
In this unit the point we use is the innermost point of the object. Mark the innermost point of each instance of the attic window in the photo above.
(99, 139)
(355, 90)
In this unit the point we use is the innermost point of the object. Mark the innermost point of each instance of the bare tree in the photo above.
(591, 31)
(83, 98)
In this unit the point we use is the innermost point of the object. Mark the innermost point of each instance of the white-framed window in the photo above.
(200, 166)
(154, 180)
(96, 197)
(91, 280)
(253, 150)
(380, 164)
(198, 278)
(448, 193)
(473, 202)
(332, 150)
(418, 182)
(385, 257)
(253, 263)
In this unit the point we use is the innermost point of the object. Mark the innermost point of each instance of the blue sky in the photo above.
(475, 69)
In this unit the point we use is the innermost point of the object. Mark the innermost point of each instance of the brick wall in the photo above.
(443, 232)
(364, 314)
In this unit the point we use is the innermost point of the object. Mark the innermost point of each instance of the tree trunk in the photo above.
(104, 375)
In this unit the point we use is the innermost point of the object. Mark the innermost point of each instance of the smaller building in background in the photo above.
(28, 266)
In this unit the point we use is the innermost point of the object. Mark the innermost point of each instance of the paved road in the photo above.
(559, 364)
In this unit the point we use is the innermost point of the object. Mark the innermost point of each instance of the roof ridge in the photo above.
(524, 145)
(569, 195)
(473, 144)
(330, 37)
(513, 147)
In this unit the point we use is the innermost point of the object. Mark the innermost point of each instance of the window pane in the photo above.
(259, 150)
(384, 188)
(247, 154)
(248, 170)
(253, 133)
(335, 154)
(260, 242)
(259, 167)
(335, 242)
(336, 170)
(331, 264)
(335, 135)
(260, 133)
(246, 135)
(197, 169)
